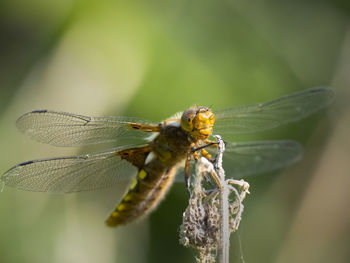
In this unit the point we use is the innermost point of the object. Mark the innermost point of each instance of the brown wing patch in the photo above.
(136, 156)
(144, 127)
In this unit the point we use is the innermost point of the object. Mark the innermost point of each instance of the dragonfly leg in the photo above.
(194, 150)
(144, 127)
(211, 143)
(207, 155)
(203, 151)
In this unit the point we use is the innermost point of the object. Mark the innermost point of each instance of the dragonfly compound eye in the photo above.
(187, 119)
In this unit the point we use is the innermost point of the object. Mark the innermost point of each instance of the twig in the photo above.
(211, 216)
(224, 241)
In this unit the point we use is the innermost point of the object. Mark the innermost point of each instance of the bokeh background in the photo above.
(151, 59)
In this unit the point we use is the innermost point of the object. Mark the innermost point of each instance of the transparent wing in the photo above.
(271, 114)
(249, 158)
(67, 129)
(71, 173)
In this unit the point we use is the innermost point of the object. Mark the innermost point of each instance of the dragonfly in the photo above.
(148, 155)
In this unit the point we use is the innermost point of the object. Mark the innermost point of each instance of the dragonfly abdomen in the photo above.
(145, 191)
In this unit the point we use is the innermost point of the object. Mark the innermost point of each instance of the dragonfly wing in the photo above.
(271, 114)
(67, 129)
(249, 158)
(71, 173)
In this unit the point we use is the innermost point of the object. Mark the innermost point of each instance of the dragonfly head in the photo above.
(198, 121)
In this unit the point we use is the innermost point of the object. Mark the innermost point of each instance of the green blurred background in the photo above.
(151, 59)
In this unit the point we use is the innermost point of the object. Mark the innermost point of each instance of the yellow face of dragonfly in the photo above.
(198, 121)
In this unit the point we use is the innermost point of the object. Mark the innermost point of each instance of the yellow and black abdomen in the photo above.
(145, 192)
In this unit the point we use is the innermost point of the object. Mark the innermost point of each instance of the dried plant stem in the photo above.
(211, 215)
(224, 240)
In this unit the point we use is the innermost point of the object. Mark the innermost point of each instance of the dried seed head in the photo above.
(203, 224)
